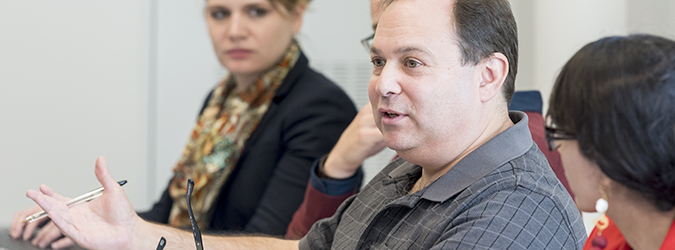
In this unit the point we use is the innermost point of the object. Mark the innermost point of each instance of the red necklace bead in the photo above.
(599, 241)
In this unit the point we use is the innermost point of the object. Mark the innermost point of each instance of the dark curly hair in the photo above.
(617, 95)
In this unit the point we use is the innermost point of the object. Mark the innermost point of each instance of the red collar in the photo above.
(669, 242)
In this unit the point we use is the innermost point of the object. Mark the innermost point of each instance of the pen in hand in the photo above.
(93, 194)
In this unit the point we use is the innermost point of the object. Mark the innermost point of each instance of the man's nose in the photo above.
(387, 83)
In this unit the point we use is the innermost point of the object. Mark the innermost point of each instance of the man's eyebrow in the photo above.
(408, 49)
(402, 50)
(374, 50)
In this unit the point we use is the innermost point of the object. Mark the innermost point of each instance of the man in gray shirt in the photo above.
(469, 175)
(502, 195)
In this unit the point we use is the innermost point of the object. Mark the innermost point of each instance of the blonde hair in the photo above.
(289, 5)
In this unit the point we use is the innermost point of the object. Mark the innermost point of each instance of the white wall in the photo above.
(125, 79)
(550, 32)
(73, 86)
(563, 27)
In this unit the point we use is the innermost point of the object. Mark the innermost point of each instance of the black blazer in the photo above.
(303, 122)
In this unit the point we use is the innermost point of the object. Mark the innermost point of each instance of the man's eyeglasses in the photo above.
(554, 134)
(195, 228)
(367, 42)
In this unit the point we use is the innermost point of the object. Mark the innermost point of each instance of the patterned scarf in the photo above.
(218, 140)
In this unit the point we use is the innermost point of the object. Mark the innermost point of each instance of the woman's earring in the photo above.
(599, 241)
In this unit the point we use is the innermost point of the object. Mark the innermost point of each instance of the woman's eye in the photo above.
(257, 12)
(412, 63)
(219, 14)
(377, 62)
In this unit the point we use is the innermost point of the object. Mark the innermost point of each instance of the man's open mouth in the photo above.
(390, 114)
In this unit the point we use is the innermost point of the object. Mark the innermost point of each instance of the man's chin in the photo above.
(402, 148)
(396, 141)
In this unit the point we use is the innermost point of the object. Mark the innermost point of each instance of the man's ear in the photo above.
(493, 73)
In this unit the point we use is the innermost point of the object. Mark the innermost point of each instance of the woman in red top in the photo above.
(612, 118)
(615, 240)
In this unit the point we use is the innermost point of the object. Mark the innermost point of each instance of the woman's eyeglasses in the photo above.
(553, 134)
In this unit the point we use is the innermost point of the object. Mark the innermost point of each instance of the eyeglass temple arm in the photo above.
(195, 228)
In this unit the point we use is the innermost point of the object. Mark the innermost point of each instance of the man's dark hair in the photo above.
(617, 95)
(485, 27)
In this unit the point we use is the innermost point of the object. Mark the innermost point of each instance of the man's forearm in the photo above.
(249, 242)
(147, 235)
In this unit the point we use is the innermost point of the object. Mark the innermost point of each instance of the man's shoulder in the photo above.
(525, 195)
(530, 171)
(533, 171)
(526, 181)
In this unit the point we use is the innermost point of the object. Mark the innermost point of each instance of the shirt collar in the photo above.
(500, 149)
